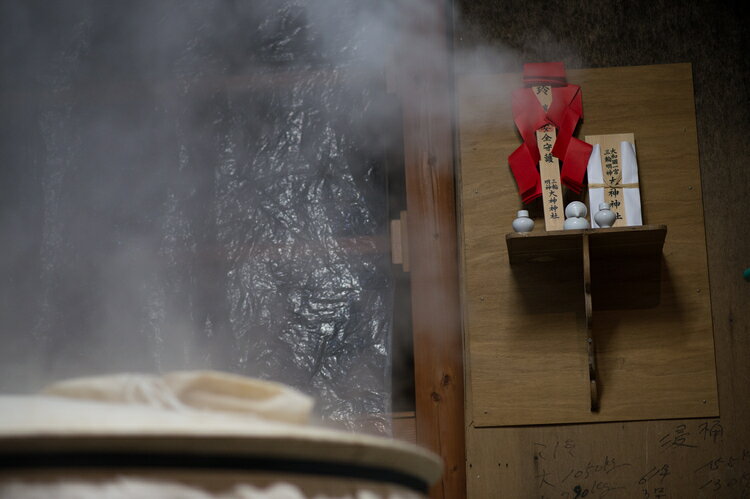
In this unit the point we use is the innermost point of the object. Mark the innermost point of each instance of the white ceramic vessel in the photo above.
(576, 209)
(523, 223)
(576, 223)
(605, 217)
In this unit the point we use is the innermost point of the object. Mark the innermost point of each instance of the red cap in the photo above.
(544, 73)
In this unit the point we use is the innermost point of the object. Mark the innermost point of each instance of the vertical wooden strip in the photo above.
(404, 227)
(549, 171)
(549, 166)
(612, 155)
(397, 248)
(589, 311)
(425, 87)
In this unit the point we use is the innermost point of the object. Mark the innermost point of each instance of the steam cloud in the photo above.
(182, 184)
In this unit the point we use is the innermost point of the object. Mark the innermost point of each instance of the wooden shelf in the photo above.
(628, 256)
(539, 247)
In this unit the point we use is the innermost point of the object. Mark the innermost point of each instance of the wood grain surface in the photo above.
(425, 88)
(526, 334)
(611, 242)
(690, 458)
(713, 36)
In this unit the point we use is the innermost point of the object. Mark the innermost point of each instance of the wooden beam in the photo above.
(425, 86)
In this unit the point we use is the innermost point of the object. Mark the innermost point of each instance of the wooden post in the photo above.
(589, 310)
(400, 242)
(425, 88)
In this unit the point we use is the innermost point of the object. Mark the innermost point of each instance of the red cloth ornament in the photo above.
(564, 113)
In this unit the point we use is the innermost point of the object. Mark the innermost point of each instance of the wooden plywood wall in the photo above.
(678, 459)
(526, 347)
(525, 357)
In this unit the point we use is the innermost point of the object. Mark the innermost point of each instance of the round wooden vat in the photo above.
(47, 441)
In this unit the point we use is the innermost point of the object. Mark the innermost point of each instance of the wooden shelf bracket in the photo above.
(616, 244)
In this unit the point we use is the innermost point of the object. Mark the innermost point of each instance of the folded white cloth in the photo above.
(201, 390)
(631, 193)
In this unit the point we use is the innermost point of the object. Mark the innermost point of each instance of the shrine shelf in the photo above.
(567, 245)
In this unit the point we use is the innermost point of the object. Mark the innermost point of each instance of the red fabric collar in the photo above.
(564, 114)
(544, 73)
(529, 114)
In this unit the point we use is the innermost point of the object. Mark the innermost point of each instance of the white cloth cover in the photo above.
(131, 488)
(201, 390)
(631, 195)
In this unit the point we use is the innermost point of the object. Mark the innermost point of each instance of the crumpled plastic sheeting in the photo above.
(192, 185)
